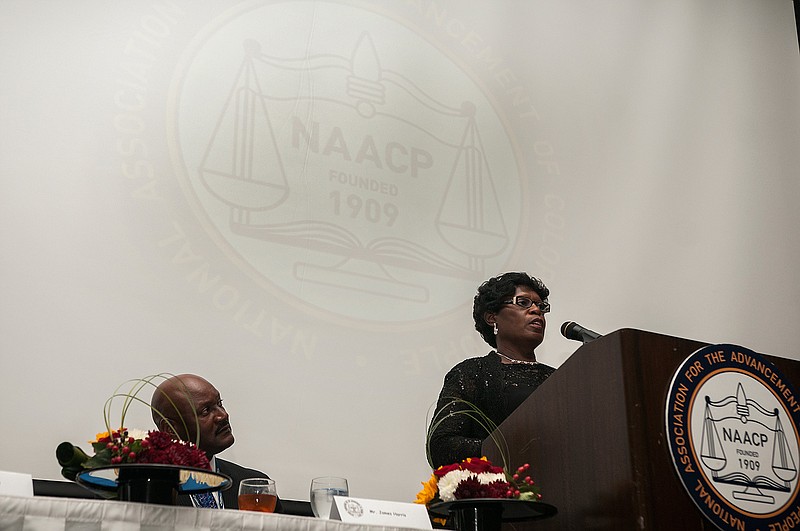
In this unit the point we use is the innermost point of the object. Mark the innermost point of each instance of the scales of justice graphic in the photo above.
(736, 432)
(244, 166)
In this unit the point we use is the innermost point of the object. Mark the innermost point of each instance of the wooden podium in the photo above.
(594, 436)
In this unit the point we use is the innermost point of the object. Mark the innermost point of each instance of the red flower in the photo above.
(472, 488)
(163, 449)
(442, 470)
(480, 466)
(473, 464)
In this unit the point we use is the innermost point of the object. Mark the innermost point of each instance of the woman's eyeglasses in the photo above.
(527, 302)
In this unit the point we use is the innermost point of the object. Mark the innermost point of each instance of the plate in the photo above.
(512, 510)
(188, 480)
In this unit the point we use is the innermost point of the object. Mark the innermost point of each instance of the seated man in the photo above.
(215, 432)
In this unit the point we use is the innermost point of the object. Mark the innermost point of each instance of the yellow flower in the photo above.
(428, 492)
(100, 436)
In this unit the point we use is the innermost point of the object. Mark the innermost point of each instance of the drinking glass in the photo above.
(258, 494)
(322, 492)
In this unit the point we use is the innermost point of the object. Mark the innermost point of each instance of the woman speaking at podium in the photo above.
(509, 312)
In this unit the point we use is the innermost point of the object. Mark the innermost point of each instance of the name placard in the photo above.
(16, 484)
(380, 512)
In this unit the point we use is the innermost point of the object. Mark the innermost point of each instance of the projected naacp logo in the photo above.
(337, 156)
(731, 421)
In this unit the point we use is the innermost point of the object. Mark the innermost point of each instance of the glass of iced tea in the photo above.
(258, 494)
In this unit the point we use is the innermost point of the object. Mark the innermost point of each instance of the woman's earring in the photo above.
(495, 328)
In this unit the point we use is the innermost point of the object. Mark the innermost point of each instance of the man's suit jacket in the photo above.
(230, 497)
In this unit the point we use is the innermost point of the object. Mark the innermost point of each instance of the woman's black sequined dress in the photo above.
(495, 388)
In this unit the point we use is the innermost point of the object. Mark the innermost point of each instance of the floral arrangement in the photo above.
(477, 478)
(124, 446)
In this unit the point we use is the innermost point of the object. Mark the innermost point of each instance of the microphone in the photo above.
(574, 331)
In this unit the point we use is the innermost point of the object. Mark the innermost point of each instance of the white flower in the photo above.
(449, 482)
(137, 433)
(487, 478)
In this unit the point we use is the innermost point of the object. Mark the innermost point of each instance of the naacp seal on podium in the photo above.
(731, 422)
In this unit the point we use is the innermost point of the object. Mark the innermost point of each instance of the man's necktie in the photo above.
(206, 500)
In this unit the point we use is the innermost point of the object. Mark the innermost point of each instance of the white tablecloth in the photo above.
(48, 514)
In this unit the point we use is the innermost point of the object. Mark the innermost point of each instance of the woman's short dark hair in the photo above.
(492, 293)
